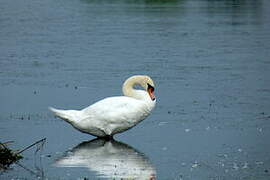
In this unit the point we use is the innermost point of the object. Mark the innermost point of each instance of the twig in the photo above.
(42, 140)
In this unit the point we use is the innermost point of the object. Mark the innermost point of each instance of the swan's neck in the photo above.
(128, 88)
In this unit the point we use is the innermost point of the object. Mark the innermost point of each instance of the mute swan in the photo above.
(114, 115)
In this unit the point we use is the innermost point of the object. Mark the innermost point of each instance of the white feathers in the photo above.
(114, 114)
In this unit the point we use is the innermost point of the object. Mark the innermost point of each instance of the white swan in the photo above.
(114, 114)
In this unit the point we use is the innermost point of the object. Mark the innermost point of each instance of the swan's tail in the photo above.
(67, 115)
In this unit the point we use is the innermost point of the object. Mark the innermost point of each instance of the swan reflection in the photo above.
(109, 159)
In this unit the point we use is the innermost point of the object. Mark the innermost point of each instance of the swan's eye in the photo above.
(150, 87)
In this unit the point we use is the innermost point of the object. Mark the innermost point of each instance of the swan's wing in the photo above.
(117, 109)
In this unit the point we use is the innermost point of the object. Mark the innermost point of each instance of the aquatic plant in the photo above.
(9, 156)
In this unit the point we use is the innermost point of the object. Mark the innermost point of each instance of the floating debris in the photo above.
(187, 130)
(195, 165)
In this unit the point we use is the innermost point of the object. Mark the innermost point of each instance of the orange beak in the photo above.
(150, 91)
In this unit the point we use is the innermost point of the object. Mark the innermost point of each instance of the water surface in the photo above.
(208, 58)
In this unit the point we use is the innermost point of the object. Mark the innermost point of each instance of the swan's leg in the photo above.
(107, 138)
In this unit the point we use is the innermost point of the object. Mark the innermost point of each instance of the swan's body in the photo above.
(114, 114)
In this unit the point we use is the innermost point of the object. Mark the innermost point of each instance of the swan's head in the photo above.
(148, 84)
(144, 81)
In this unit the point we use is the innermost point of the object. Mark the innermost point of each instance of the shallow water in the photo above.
(208, 58)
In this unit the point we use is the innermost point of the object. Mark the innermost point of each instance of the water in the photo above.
(208, 58)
